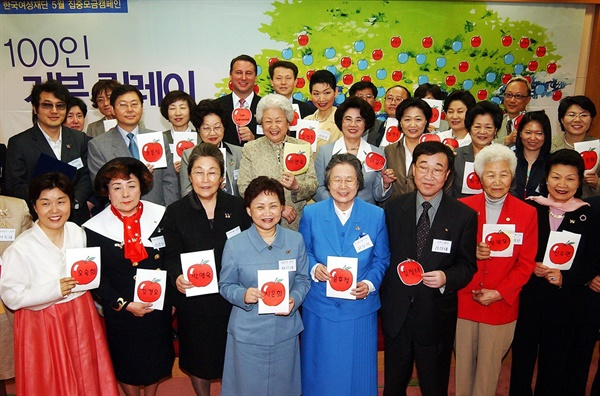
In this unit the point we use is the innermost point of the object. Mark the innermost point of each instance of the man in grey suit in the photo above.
(46, 145)
(121, 141)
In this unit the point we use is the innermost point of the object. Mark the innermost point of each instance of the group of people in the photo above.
(417, 228)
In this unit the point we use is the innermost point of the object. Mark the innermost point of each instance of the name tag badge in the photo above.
(77, 163)
(236, 173)
(7, 234)
(324, 135)
(518, 238)
(287, 265)
(158, 242)
(363, 243)
(233, 232)
(441, 246)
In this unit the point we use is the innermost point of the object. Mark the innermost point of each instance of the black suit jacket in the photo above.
(231, 134)
(22, 156)
(187, 229)
(375, 137)
(306, 108)
(436, 312)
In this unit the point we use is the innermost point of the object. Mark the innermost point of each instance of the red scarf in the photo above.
(132, 234)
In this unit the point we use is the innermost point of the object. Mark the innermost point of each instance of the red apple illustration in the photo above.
(346, 62)
(152, 151)
(309, 74)
(348, 79)
(377, 54)
(497, 241)
(560, 252)
(506, 78)
(84, 271)
(149, 291)
(272, 60)
(463, 66)
(435, 115)
(551, 68)
(507, 41)
(241, 116)
(475, 41)
(300, 83)
(451, 142)
(308, 135)
(473, 181)
(524, 42)
(395, 42)
(377, 106)
(365, 78)
(429, 137)
(200, 274)
(517, 120)
(303, 39)
(528, 78)
(540, 51)
(341, 279)
(393, 134)
(533, 65)
(590, 157)
(273, 293)
(557, 95)
(184, 145)
(256, 89)
(295, 161)
(410, 272)
(451, 80)
(397, 75)
(427, 42)
(482, 94)
(295, 120)
(375, 161)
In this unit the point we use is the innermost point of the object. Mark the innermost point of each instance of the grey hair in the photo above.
(495, 153)
(345, 159)
(274, 101)
(520, 79)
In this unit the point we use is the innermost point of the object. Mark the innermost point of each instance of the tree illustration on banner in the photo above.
(455, 45)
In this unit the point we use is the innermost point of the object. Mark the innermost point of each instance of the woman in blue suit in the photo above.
(339, 342)
(262, 356)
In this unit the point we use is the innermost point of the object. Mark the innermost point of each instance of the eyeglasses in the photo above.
(350, 181)
(125, 106)
(350, 120)
(209, 129)
(211, 175)
(582, 116)
(365, 96)
(436, 172)
(515, 96)
(49, 106)
(394, 99)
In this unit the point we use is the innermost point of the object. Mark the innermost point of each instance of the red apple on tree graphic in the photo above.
(463, 66)
(450, 80)
(345, 61)
(397, 75)
(295, 161)
(473, 181)
(377, 54)
(497, 241)
(561, 253)
(303, 39)
(524, 42)
(272, 60)
(84, 271)
(427, 42)
(273, 293)
(590, 157)
(152, 151)
(475, 41)
(533, 65)
(300, 83)
(365, 78)
(540, 51)
(395, 42)
(507, 41)
(482, 94)
(410, 272)
(184, 145)
(551, 68)
(200, 274)
(506, 78)
(149, 291)
(556, 95)
(348, 79)
(340, 279)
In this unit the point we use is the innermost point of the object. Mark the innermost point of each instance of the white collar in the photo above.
(339, 147)
(107, 224)
(247, 103)
(48, 138)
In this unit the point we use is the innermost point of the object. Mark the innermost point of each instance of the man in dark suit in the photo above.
(127, 103)
(284, 76)
(49, 140)
(242, 74)
(367, 91)
(437, 231)
(393, 97)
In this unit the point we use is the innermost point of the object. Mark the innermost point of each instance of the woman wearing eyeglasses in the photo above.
(339, 342)
(575, 115)
(208, 118)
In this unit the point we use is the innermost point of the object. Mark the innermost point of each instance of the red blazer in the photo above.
(505, 274)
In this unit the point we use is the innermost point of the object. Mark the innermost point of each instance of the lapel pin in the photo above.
(227, 215)
(572, 221)
(445, 229)
(357, 228)
(582, 217)
(508, 219)
(288, 251)
(68, 146)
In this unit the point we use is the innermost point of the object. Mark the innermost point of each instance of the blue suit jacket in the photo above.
(318, 228)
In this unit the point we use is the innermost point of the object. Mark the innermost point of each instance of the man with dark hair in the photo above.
(284, 76)
(48, 139)
(122, 141)
(100, 98)
(242, 74)
(432, 236)
(367, 91)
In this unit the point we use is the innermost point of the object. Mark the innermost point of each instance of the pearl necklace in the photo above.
(555, 215)
(571, 146)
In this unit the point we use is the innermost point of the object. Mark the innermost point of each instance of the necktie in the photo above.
(509, 127)
(242, 103)
(133, 147)
(423, 229)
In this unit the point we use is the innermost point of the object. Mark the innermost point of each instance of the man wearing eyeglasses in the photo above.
(49, 146)
(367, 91)
(393, 97)
(122, 141)
(516, 98)
(284, 76)
(419, 305)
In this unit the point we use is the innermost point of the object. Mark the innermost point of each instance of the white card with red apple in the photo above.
(150, 287)
(152, 149)
(500, 238)
(110, 124)
(342, 273)
(471, 183)
(275, 288)
(296, 158)
(200, 269)
(307, 130)
(561, 249)
(83, 265)
(392, 132)
(182, 142)
(374, 162)
(294, 123)
(589, 153)
(436, 111)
